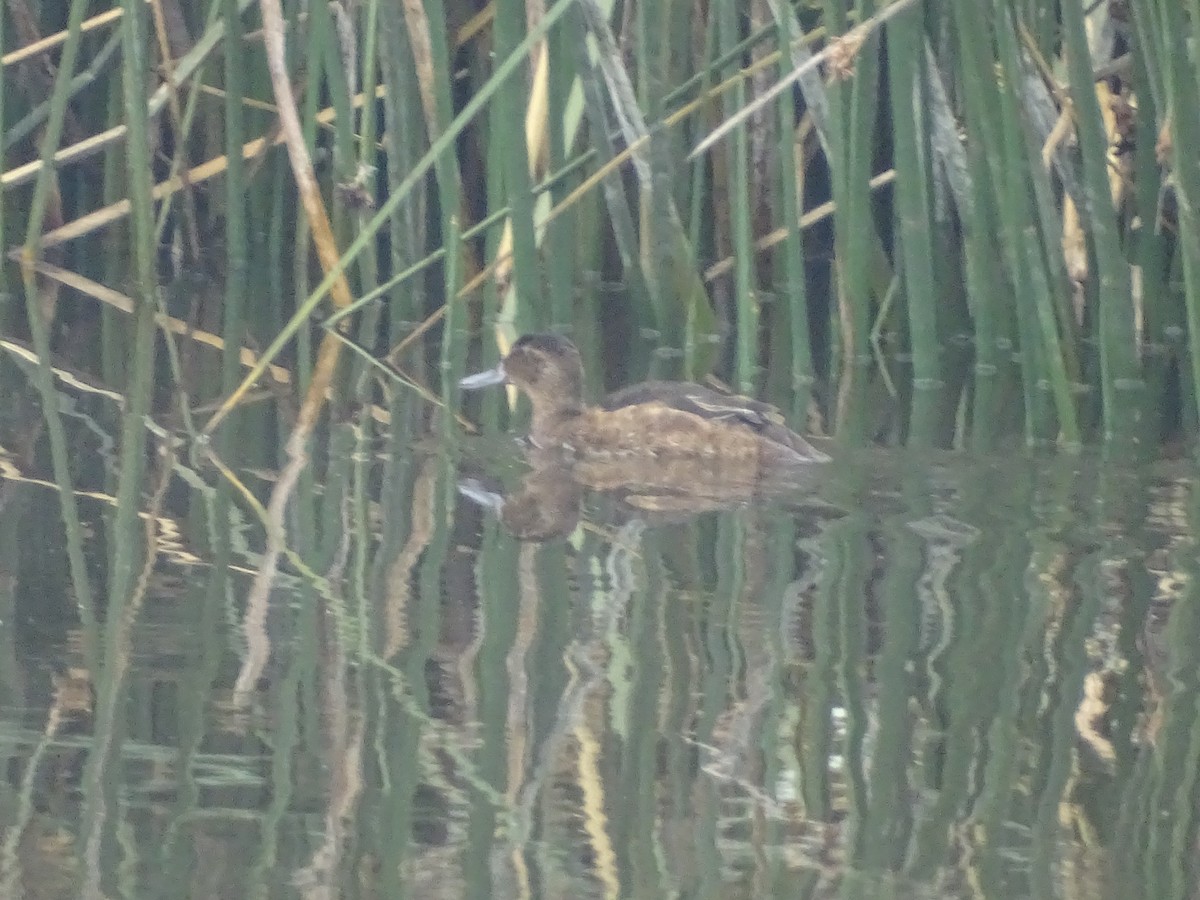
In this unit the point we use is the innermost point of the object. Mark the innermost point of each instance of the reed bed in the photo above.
(977, 211)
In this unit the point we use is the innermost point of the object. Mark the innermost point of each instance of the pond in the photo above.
(914, 672)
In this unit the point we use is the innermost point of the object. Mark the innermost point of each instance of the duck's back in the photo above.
(695, 399)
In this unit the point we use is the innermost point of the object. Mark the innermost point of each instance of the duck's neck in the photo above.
(550, 419)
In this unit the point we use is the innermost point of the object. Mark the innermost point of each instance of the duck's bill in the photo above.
(474, 489)
(483, 379)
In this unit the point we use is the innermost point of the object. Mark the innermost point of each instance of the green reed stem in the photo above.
(326, 40)
(914, 203)
(233, 325)
(563, 265)
(656, 199)
(126, 537)
(508, 139)
(742, 240)
(365, 178)
(790, 268)
(1118, 344)
(401, 105)
(701, 224)
(236, 230)
(60, 458)
(444, 163)
(454, 335)
(1179, 80)
(1151, 250)
(272, 317)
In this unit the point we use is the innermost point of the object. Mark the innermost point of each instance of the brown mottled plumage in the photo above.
(724, 434)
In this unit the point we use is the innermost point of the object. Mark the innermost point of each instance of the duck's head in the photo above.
(547, 367)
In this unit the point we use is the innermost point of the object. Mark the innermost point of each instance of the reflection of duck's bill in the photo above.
(473, 489)
(484, 379)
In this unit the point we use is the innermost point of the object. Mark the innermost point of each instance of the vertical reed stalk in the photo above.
(989, 309)
(135, 71)
(453, 333)
(114, 344)
(494, 242)
(914, 205)
(1120, 368)
(271, 318)
(332, 42)
(508, 139)
(236, 232)
(61, 461)
(563, 266)
(364, 178)
(236, 239)
(700, 224)
(401, 105)
(1179, 79)
(792, 288)
(737, 172)
(1151, 251)
(655, 197)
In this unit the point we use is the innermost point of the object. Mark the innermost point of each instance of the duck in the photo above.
(547, 504)
(682, 424)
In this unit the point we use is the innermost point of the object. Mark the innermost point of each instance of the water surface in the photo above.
(920, 674)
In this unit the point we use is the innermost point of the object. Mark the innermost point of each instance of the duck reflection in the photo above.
(547, 505)
(549, 502)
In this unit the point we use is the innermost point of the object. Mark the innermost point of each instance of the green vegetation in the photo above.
(990, 190)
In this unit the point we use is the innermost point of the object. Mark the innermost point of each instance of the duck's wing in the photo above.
(699, 401)
(716, 406)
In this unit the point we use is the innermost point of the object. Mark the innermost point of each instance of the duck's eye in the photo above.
(535, 365)
(523, 365)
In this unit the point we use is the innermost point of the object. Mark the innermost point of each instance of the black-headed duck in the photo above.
(657, 420)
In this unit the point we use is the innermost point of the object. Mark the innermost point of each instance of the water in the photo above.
(917, 674)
